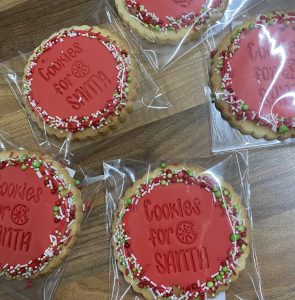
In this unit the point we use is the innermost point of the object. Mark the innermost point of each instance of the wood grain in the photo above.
(6, 4)
(181, 132)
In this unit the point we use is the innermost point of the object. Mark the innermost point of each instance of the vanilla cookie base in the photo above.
(246, 127)
(235, 201)
(169, 37)
(116, 120)
(75, 227)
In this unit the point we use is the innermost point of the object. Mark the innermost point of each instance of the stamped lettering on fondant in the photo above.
(174, 209)
(178, 261)
(270, 69)
(15, 239)
(80, 84)
(187, 258)
(20, 191)
(60, 62)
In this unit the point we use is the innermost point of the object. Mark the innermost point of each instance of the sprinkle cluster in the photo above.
(238, 107)
(221, 197)
(63, 210)
(153, 22)
(97, 119)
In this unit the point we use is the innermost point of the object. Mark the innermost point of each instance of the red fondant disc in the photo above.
(74, 77)
(263, 70)
(178, 234)
(26, 216)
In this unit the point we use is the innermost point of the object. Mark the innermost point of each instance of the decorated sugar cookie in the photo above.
(81, 81)
(169, 21)
(253, 75)
(178, 234)
(40, 214)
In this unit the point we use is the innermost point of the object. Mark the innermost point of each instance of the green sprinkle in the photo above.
(150, 180)
(218, 194)
(218, 278)
(224, 269)
(226, 192)
(157, 27)
(235, 237)
(169, 175)
(244, 247)
(190, 173)
(122, 241)
(23, 167)
(129, 79)
(60, 188)
(23, 156)
(283, 129)
(36, 164)
(126, 90)
(210, 284)
(221, 273)
(56, 209)
(241, 228)
(163, 165)
(77, 182)
(163, 182)
(128, 201)
(141, 8)
(245, 107)
(223, 205)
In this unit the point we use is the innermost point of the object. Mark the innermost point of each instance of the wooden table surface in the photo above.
(180, 132)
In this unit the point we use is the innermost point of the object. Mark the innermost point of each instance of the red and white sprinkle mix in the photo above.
(174, 23)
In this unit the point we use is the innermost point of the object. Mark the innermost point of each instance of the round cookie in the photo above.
(177, 234)
(253, 76)
(81, 80)
(170, 21)
(40, 214)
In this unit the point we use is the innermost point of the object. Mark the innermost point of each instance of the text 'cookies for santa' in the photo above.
(178, 233)
(40, 214)
(81, 80)
(252, 77)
